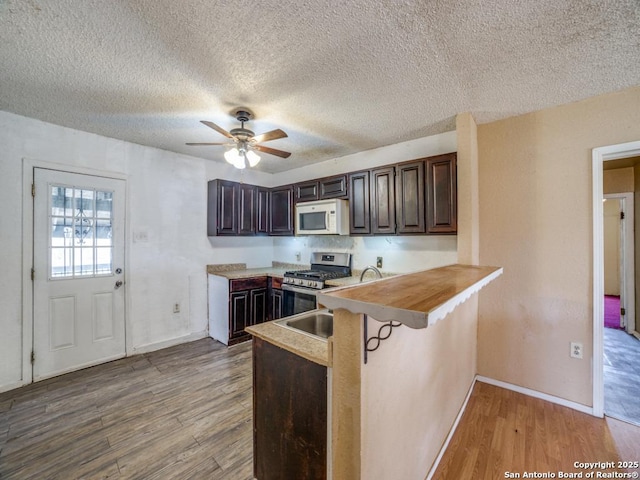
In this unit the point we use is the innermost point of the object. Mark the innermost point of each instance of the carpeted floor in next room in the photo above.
(612, 311)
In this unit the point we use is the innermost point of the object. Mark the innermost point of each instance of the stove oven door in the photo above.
(297, 300)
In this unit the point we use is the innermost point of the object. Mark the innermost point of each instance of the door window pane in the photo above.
(81, 232)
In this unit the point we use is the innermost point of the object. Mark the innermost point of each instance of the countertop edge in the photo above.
(411, 318)
(293, 342)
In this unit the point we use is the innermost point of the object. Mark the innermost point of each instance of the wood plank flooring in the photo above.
(183, 412)
(503, 431)
(186, 412)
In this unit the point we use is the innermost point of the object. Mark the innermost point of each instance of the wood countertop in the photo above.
(303, 345)
(416, 299)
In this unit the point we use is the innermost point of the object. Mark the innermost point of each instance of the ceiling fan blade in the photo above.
(216, 128)
(272, 151)
(201, 144)
(272, 135)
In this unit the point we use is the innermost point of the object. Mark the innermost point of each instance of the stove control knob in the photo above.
(300, 281)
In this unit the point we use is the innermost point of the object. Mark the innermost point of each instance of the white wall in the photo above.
(167, 196)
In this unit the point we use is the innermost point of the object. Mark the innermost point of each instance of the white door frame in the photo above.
(28, 165)
(599, 156)
(627, 258)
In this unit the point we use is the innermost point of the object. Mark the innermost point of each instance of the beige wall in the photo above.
(413, 387)
(619, 180)
(536, 221)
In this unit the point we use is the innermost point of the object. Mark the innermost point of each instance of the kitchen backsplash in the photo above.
(400, 254)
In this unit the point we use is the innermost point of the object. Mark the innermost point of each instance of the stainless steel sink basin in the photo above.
(316, 323)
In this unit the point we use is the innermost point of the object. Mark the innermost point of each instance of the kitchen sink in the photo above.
(316, 323)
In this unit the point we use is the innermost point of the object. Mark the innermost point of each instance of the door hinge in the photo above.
(33, 274)
(33, 357)
(623, 312)
(621, 215)
(33, 189)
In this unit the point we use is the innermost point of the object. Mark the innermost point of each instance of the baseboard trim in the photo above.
(536, 394)
(152, 347)
(434, 467)
(12, 386)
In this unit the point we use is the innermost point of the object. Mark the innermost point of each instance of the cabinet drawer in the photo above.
(276, 282)
(247, 283)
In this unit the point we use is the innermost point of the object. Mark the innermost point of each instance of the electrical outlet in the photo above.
(379, 262)
(176, 308)
(576, 350)
(298, 256)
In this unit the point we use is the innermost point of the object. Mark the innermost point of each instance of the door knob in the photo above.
(119, 284)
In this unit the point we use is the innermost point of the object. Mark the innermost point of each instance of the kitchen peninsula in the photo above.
(391, 408)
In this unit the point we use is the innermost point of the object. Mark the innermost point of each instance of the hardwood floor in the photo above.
(183, 412)
(503, 431)
(622, 375)
(186, 412)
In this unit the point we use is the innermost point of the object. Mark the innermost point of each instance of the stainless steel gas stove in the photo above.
(299, 286)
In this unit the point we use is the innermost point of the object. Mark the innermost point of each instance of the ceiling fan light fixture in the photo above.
(235, 158)
(252, 157)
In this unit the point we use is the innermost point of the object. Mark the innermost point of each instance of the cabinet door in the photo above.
(359, 216)
(275, 303)
(247, 209)
(239, 313)
(333, 187)
(442, 209)
(262, 211)
(306, 191)
(222, 208)
(281, 211)
(383, 209)
(410, 185)
(258, 298)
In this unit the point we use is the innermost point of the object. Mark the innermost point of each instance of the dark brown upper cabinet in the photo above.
(359, 211)
(410, 187)
(262, 211)
(333, 187)
(247, 209)
(442, 210)
(222, 211)
(383, 208)
(306, 191)
(321, 189)
(281, 210)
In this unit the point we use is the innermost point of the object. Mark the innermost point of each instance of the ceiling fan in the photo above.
(245, 142)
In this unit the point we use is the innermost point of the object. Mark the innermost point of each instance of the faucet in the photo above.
(367, 268)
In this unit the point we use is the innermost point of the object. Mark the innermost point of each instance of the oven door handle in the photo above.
(306, 291)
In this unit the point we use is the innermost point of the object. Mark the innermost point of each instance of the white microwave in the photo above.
(322, 217)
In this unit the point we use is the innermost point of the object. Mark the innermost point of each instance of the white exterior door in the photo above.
(78, 286)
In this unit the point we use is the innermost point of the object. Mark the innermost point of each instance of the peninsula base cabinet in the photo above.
(289, 415)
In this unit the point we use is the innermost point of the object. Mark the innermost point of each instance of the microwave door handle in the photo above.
(326, 220)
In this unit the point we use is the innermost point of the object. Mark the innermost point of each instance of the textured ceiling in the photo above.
(338, 76)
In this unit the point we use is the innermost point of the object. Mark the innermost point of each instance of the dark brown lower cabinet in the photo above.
(289, 415)
(275, 298)
(248, 305)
